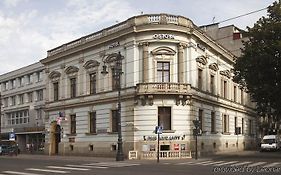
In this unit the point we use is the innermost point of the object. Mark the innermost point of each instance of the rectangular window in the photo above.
(39, 76)
(6, 85)
(39, 114)
(225, 89)
(200, 117)
(200, 79)
(20, 81)
(164, 117)
(56, 91)
(30, 96)
(93, 83)
(250, 127)
(242, 132)
(13, 83)
(73, 124)
(6, 102)
(21, 99)
(212, 84)
(235, 93)
(73, 87)
(13, 99)
(242, 96)
(114, 79)
(92, 122)
(39, 94)
(235, 123)
(163, 72)
(114, 121)
(28, 79)
(213, 122)
(225, 123)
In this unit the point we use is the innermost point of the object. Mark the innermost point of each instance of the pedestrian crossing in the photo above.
(69, 168)
(231, 163)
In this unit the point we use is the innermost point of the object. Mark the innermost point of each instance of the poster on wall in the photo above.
(182, 146)
(152, 147)
(176, 146)
(145, 148)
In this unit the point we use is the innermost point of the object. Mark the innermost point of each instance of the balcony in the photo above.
(163, 88)
(181, 92)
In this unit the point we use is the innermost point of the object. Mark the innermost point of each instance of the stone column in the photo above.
(145, 64)
(181, 47)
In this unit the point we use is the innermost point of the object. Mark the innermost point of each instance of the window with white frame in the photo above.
(72, 87)
(21, 98)
(200, 79)
(163, 72)
(201, 119)
(93, 83)
(212, 84)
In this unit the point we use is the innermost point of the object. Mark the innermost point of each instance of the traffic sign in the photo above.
(158, 129)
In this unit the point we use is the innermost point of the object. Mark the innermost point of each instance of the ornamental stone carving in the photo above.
(54, 75)
(214, 67)
(163, 51)
(71, 70)
(226, 73)
(202, 60)
(91, 64)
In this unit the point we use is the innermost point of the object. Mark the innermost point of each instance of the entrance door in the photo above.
(57, 138)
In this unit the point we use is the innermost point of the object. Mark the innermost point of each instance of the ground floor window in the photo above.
(164, 117)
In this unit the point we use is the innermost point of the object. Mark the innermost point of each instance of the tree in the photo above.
(258, 70)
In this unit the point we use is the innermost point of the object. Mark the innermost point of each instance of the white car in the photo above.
(270, 143)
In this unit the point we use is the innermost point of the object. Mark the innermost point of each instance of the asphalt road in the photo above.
(268, 163)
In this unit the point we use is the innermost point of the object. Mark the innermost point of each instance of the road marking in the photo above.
(112, 164)
(211, 163)
(47, 170)
(68, 168)
(241, 163)
(256, 164)
(226, 163)
(87, 166)
(272, 164)
(19, 173)
(186, 163)
(199, 163)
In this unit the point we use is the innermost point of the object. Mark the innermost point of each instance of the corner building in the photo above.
(173, 73)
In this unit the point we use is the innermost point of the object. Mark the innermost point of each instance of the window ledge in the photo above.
(112, 132)
(71, 134)
(91, 133)
(169, 131)
(226, 133)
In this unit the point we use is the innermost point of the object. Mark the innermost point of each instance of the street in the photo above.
(250, 162)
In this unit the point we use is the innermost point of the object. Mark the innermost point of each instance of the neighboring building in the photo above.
(23, 101)
(230, 37)
(173, 73)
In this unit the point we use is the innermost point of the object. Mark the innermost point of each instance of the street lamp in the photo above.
(117, 71)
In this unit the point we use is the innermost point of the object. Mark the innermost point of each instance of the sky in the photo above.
(29, 28)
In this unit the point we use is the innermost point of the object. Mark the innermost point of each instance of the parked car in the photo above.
(270, 143)
(8, 147)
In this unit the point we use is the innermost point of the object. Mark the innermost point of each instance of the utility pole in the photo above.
(117, 77)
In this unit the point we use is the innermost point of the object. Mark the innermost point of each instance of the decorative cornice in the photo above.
(214, 66)
(111, 58)
(71, 69)
(202, 59)
(226, 73)
(54, 74)
(163, 51)
(91, 64)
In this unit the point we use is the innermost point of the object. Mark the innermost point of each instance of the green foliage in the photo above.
(259, 68)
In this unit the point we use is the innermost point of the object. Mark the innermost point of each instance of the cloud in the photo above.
(13, 3)
(26, 36)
